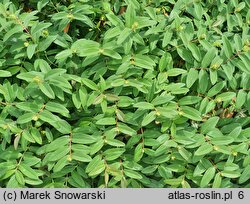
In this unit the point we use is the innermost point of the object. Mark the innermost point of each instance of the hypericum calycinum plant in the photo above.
(133, 93)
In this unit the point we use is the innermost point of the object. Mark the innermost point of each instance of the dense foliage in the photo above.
(134, 93)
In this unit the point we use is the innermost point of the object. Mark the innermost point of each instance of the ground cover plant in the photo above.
(134, 93)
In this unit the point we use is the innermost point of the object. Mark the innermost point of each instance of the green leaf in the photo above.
(217, 181)
(47, 116)
(111, 53)
(185, 184)
(195, 51)
(39, 27)
(229, 70)
(42, 65)
(208, 58)
(19, 177)
(106, 121)
(159, 100)
(188, 100)
(227, 48)
(167, 37)
(84, 48)
(83, 97)
(185, 154)
(185, 54)
(60, 164)
(36, 135)
(97, 100)
(213, 76)
(90, 84)
(149, 169)
(4, 73)
(144, 61)
(58, 154)
(81, 157)
(96, 162)
(18, 28)
(64, 54)
(113, 153)
(59, 142)
(47, 90)
(235, 132)
(42, 4)
(248, 102)
(144, 105)
(62, 126)
(245, 176)
(175, 72)
(132, 174)
(166, 62)
(27, 136)
(83, 18)
(226, 140)
(27, 171)
(57, 108)
(226, 96)
(209, 124)
(191, 113)
(96, 146)
(130, 15)
(198, 10)
(148, 118)
(242, 65)
(77, 179)
(173, 182)
(83, 138)
(99, 168)
(44, 44)
(240, 99)
(115, 143)
(112, 97)
(216, 89)
(207, 177)
(25, 118)
(12, 183)
(111, 33)
(31, 50)
(231, 174)
(192, 76)
(204, 149)
(123, 35)
(138, 152)
(203, 82)
(126, 129)
(115, 20)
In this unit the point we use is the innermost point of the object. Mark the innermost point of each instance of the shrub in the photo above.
(133, 93)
